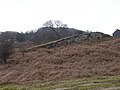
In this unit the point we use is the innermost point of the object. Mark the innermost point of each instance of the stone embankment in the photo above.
(71, 39)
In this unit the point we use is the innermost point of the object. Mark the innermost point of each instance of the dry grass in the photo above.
(65, 62)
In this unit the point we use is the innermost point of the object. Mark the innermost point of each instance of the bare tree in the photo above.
(56, 26)
(6, 46)
(22, 48)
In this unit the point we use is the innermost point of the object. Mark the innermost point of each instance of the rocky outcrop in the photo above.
(71, 39)
(82, 37)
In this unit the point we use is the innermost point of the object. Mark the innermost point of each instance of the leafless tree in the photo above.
(22, 48)
(6, 46)
(56, 26)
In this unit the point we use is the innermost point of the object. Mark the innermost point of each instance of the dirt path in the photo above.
(112, 88)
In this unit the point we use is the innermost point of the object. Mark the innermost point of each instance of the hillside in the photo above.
(86, 59)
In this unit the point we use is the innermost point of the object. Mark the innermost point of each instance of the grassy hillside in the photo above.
(88, 59)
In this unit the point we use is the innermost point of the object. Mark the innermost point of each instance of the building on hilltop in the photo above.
(117, 33)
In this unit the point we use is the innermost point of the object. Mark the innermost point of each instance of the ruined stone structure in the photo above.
(117, 33)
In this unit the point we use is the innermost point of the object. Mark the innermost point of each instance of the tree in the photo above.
(6, 46)
(22, 48)
(56, 26)
(20, 37)
(29, 36)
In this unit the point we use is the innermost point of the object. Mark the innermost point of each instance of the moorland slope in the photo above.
(87, 59)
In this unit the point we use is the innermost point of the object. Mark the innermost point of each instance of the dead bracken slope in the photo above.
(65, 62)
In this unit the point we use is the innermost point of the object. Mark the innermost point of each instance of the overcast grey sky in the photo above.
(93, 15)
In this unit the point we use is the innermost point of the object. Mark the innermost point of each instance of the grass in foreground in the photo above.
(96, 83)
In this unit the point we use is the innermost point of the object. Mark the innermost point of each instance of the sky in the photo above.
(92, 15)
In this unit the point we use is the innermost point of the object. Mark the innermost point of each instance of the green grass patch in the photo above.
(74, 84)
